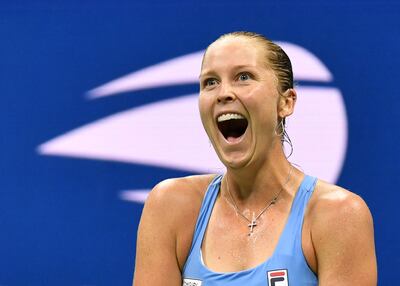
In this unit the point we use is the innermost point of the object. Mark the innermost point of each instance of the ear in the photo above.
(287, 102)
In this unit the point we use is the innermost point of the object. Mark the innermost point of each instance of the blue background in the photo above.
(61, 220)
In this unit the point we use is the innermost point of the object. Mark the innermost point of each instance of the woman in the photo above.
(263, 222)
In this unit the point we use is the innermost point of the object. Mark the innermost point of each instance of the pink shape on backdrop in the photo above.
(169, 133)
(185, 69)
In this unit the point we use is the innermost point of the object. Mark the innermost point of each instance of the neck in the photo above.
(261, 181)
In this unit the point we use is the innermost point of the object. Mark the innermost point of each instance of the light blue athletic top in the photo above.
(286, 266)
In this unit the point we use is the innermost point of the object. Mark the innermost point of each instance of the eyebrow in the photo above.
(238, 67)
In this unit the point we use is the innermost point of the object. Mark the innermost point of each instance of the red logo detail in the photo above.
(278, 277)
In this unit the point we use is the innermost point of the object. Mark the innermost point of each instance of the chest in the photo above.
(234, 242)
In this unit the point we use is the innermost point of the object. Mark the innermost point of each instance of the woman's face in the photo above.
(238, 101)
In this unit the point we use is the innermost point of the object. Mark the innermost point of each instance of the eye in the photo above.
(209, 82)
(244, 76)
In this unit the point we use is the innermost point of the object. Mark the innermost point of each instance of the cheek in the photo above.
(261, 101)
(205, 104)
(262, 106)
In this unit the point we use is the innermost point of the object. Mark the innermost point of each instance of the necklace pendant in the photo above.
(251, 225)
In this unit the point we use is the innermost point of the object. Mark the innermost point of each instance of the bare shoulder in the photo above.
(179, 193)
(175, 203)
(339, 220)
(166, 229)
(331, 200)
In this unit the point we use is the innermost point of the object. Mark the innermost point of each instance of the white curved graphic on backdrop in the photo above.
(169, 133)
(186, 69)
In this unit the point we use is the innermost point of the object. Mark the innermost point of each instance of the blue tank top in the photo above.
(287, 265)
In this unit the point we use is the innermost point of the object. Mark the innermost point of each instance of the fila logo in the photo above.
(278, 277)
(191, 282)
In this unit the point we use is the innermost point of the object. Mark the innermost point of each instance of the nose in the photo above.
(226, 94)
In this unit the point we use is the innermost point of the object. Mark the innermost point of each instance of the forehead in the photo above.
(233, 51)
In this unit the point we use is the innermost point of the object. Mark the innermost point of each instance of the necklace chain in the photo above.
(253, 221)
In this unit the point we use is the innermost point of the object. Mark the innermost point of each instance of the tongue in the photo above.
(232, 139)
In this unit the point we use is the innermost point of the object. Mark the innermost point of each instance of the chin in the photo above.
(235, 162)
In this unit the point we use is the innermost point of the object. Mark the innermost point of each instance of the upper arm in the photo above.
(343, 238)
(156, 259)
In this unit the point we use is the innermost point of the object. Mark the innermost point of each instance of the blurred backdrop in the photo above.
(99, 103)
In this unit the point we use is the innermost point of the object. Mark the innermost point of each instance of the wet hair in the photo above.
(279, 62)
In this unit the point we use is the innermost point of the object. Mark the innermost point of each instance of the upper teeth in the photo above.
(229, 116)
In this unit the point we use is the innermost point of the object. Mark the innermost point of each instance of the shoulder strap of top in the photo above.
(291, 237)
(205, 211)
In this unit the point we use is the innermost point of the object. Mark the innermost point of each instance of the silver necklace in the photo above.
(253, 222)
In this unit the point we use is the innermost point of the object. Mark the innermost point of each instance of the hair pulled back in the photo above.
(276, 58)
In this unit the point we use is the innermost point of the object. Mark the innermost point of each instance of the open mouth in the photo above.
(232, 125)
